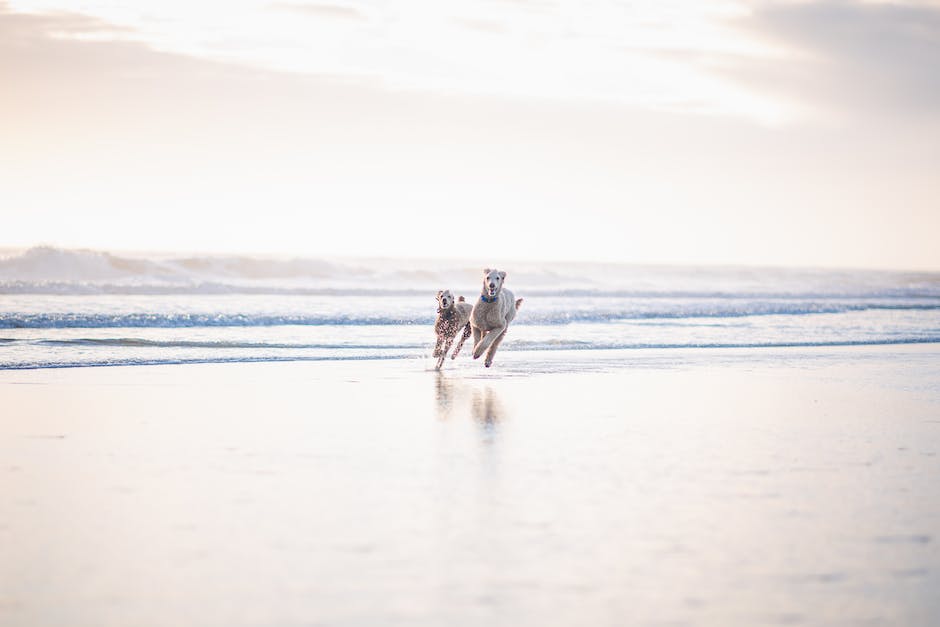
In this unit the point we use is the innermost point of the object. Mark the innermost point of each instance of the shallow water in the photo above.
(694, 488)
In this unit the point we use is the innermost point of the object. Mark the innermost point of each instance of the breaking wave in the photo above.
(49, 270)
(667, 312)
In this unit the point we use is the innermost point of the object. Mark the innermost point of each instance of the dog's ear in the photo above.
(440, 293)
(486, 271)
(502, 275)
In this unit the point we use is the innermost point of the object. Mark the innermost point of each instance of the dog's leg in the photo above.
(463, 338)
(490, 353)
(447, 344)
(487, 340)
(477, 338)
(437, 347)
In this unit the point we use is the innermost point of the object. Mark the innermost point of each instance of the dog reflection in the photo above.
(487, 408)
(446, 393)
(453, 399)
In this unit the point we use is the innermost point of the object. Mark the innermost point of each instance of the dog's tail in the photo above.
(518, 303)
(460, 299)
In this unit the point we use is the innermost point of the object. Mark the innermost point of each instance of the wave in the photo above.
(218, 344)
(221, 289)
(37, 365)
(48, 270)
(581, 345)
(45, 263)
(533, 345)
(674, 312)
(185, 320)
(403, 352)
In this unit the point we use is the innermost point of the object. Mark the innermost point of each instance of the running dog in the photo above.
(492, 314)
(452, 317)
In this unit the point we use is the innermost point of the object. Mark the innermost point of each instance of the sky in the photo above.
(671, 131)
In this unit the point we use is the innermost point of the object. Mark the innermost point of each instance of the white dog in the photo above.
(452, 317)
(491, 315)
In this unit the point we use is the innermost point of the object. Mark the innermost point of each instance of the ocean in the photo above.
(73, 308)
(653, 445)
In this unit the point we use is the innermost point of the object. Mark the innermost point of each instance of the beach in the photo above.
(786, 485)
(695, 240)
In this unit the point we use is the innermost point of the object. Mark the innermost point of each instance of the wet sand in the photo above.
(674, 487)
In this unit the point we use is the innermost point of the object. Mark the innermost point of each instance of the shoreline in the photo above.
(538, 356)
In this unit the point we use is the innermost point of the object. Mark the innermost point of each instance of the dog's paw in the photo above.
(488, 363)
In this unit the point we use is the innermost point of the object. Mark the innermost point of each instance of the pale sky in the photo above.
(670, 131)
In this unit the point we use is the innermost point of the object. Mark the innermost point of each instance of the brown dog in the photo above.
(452, 317)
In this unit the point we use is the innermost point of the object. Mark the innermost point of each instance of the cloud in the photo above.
(65, 79)
(47, 54)
(116, 121)
(847, 57)
(319, 10)
(24, 25)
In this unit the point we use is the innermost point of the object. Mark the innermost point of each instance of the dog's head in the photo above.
(493, 281)
(445, 299)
